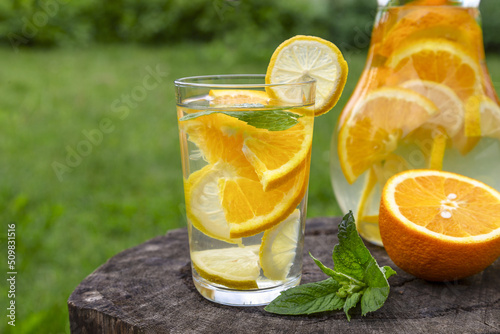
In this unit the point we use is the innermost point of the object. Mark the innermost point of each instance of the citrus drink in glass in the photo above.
(245, 158)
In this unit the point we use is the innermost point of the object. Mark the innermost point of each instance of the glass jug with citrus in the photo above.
(424, 100)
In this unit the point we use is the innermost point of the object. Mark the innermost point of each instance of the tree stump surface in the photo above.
(148, 289)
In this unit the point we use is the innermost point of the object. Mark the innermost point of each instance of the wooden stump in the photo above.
(148, 289)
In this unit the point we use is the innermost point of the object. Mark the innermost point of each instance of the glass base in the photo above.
(259, 297)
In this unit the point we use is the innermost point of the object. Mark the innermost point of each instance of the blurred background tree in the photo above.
(165, 22)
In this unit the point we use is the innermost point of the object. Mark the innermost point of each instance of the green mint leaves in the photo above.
(272, 120)
(357, 278)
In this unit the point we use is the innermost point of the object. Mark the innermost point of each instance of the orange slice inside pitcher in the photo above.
(437, 60)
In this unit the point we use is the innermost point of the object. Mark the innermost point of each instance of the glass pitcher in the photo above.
(424, 100)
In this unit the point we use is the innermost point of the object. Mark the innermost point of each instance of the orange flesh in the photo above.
(448, 206)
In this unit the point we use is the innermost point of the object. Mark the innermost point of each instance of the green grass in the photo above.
(128, 189)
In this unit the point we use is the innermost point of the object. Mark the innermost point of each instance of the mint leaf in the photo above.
(355, 278)
(308, 298)
(373, 298)
(272, 120)
(388, 271)
(351, 257)
(338, 276)
(351, 302)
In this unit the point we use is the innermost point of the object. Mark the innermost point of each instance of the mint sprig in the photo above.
(272, 120)
(357, 278)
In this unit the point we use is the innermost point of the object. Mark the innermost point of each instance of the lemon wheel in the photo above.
(279, 247)
(232, 267)
(302, 58)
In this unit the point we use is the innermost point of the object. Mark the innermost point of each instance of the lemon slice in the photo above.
(378, 174)
(302, 58)
(482, 117)
(233, 267)
(438, 150)
(203, 207)
(366, 193)
(451, 110)
(278, 248)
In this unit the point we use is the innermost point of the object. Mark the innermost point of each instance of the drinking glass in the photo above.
(245, 150)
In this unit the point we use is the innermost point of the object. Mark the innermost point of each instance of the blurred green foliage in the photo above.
(245, 22)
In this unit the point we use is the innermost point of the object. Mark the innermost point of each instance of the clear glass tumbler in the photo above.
(246, 149)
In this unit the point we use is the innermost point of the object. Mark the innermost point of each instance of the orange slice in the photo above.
(302, 58)
(279, 156)
(428, 3)
(226, 204)
(375, 126)
(272, 156)
(232, 97)
(439, 225)
(437, 60)
(404, 24)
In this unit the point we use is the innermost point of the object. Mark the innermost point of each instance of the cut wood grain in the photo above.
(148, 289)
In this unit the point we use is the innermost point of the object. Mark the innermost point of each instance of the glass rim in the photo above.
(190, 81)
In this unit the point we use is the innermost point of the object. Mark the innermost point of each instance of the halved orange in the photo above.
(376, 124)
(439, 225)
